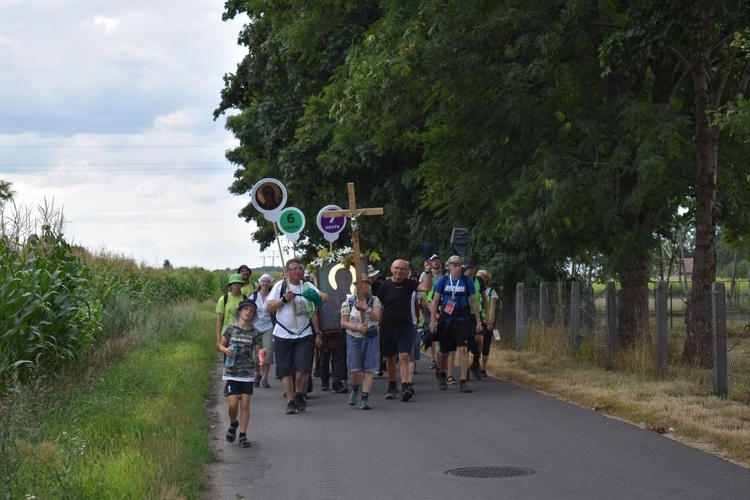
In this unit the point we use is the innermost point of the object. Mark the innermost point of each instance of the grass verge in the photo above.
(680, 405)
(129, 423)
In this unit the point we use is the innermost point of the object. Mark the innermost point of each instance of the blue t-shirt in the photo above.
(457, 291)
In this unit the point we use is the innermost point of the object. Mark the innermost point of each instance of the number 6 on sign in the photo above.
(291, 223)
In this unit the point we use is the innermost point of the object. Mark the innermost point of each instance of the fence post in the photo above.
(662, 347)
(544, 304)
(719, 330)
(575, 315)
(520, 318)
(611, 304)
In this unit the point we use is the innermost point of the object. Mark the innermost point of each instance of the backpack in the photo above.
(465, 311)
(353, 301)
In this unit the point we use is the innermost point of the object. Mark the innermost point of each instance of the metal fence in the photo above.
(569, 321)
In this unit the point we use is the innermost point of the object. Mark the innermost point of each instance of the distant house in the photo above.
(686, 270)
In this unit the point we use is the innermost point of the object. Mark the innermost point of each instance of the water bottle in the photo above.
(230, 359)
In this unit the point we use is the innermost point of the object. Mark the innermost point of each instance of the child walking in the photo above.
(240, 343)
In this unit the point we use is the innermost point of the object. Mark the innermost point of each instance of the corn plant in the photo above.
(48, 316)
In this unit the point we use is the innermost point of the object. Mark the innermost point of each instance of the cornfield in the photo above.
(57, 301)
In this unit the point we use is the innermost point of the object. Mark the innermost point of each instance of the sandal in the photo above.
(244, 443)
(451, 380)
(232, 432)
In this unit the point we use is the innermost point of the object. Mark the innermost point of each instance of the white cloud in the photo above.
(108, 23)
(107, 110)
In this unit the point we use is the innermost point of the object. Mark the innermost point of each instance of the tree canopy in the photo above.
(557, 131)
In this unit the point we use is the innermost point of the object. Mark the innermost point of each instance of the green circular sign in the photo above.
(292, 220)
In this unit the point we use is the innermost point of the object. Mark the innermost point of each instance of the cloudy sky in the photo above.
(106, 110)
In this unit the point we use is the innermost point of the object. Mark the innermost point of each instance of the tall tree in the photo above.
(6, 192)
(718, 61)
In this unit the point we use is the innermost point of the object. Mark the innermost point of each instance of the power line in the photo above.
(124, 146)
(138, 167)
(139, 164)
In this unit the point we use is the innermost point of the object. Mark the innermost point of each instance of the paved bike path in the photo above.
(397, 449)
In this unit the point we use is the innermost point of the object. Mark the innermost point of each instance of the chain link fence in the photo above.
(566, 321)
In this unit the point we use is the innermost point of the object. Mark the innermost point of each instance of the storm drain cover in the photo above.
(491, 472)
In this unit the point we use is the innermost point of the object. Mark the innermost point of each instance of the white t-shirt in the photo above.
(285, 315)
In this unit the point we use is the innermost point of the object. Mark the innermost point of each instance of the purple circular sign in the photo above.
(330, 226)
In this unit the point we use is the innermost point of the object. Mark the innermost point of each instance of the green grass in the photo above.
(129, 423)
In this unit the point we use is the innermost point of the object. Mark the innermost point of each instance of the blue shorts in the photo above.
(237, 388)
(397, 340)
(293, 355)
(362, 355)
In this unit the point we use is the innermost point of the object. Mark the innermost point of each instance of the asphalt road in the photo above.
(334, 451)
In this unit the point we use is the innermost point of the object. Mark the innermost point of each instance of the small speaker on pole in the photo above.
(460, 240)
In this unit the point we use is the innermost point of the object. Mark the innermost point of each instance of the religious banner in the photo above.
(268, 196)
(338, 282)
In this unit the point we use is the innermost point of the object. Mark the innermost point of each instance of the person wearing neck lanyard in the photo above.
(455, 293)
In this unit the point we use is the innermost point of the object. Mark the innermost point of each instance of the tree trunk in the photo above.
(698, 347)
(632, 315)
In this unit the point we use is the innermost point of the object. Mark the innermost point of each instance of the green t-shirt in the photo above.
(248, 289)
(228, 309)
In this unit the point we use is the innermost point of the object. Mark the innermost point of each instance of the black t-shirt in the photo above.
(397, 302)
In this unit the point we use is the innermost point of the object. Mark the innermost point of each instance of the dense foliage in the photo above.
(557, 131)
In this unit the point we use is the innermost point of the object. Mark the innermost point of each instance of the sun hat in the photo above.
(235, 278)
(247, 303)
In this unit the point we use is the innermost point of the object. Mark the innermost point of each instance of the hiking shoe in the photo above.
(256, 380)
(451, 380)
(406, 395)
(342, 390)
(433, 365)
(484, 373)
(300, 402)
(232, 432)
(291, 408)
(476, 372)
(464, 387)
(244, 443)
(325, 388)
(411, 388)
(364, 404)
(442, 382)
(264, 383)
(391, 394)
(353, 398)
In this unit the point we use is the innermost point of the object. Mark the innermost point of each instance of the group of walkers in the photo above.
(277, 323)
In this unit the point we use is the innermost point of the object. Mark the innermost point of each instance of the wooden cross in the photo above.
(353, 213)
